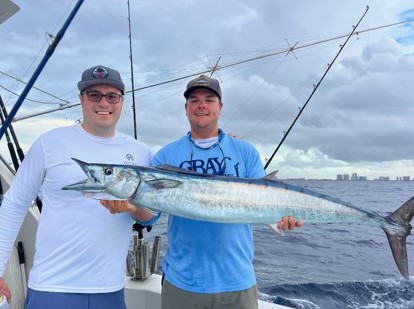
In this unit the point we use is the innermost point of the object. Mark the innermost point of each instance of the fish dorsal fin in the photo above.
(271, 176)
(167, 167)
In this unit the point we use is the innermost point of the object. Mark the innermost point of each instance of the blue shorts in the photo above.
(53, 300)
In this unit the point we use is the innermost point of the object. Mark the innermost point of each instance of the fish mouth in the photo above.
(90, 185)
(84, 166)
(86, 185)
(90, 189)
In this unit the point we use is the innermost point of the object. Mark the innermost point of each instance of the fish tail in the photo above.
(397, 237)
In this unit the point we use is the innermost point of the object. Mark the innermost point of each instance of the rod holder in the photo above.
(139, 264)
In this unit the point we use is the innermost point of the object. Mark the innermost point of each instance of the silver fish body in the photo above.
(235, 200)
(239, 200)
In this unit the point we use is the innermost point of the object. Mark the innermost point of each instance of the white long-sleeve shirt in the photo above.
(80, 246)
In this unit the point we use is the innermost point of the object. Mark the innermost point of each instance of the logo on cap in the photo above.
(100, 73)
(202, 81)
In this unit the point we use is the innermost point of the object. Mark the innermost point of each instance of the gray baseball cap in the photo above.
(203, 82)
(101, 75)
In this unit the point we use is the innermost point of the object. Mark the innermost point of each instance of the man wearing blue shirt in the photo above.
(209, 265)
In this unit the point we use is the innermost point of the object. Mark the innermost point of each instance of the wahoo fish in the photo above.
(224, 199)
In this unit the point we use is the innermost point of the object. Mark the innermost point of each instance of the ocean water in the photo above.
(332, 265)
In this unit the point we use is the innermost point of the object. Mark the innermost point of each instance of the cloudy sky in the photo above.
(360, 119)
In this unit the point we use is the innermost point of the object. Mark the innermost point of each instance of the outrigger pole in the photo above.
(216, 68)
(39, 69)
(301, 109)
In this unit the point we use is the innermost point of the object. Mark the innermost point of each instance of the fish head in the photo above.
(106, 181)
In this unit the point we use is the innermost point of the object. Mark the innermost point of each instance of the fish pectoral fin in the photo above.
(276, 229)
(163, 183)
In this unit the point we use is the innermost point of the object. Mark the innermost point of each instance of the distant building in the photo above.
(339, 177)
(406, 178)
(386, 178)
(354, 176)
(362, 178)
(345, 177)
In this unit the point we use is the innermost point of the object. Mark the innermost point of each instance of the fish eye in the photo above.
(108, 171)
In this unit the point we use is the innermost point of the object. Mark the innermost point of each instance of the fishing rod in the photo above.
(39, 69)
(136, 226)
(314, 89)
(132, 73)
(12, 151)
(13, 134)
(217, 68)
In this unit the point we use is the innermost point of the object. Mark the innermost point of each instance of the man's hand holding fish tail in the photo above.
(288, 223)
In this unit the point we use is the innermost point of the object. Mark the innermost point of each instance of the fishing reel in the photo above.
(140, 228)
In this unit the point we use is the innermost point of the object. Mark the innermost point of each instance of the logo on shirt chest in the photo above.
(213, 165)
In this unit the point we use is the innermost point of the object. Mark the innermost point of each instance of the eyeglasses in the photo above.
(96, 96)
